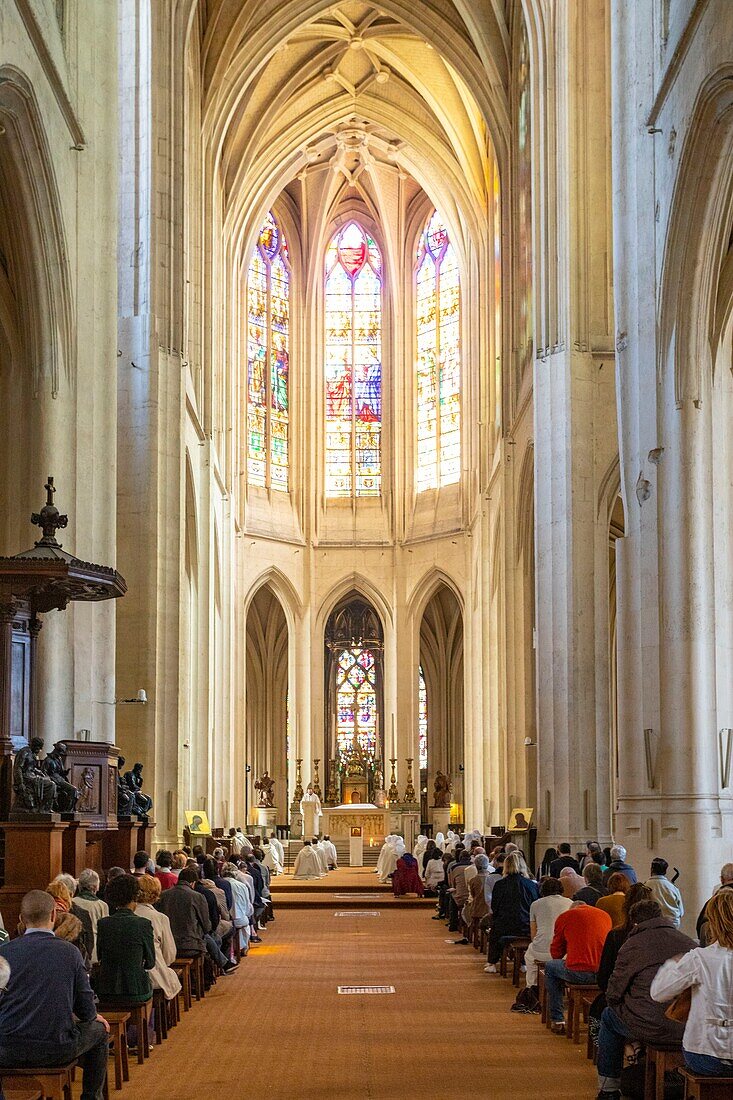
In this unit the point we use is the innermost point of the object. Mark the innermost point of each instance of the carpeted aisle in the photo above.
(277, 1028)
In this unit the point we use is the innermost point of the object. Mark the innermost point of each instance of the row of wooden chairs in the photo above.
(55, 1083)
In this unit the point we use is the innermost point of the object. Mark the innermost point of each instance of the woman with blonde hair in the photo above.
(66, 925)
(511, 899)
(708, 972)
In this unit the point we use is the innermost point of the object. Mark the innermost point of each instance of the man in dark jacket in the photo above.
(510, 902)
(618, 863)
(188, 912)
(565, 859)
(631, 1013)
(48, 988)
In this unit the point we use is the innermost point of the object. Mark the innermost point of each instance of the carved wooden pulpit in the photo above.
(32, 583)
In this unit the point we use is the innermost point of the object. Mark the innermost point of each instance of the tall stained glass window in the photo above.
(353, 364)
(438, 359)
(356, 702)
(268, 358)
(422, 719)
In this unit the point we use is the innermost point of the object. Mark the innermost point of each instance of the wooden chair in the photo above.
(183, 967)
(54, 1081)
(198, 977)
(591, 1050)
(21, 1092)
(659, 1060)
(542, 994)
(174, 1011)
(701, 1088)
(118, 1033)
(516, 954)
(160, 1016)
(139, 1014)
(576, 1005)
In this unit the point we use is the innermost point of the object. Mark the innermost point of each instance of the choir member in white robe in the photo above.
(307, 864)
(276, 843)
(321, 854)
(440, 841)
(331, 854)
(272, 860)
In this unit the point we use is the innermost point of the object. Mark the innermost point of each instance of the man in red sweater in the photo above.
(576, 947)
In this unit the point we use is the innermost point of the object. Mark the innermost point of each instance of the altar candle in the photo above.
(394, 738)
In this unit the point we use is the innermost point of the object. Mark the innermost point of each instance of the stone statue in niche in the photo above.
(67, 795)
(442, 789)
(142, 803)
(125, 797)
(34, 791)
(265, 785)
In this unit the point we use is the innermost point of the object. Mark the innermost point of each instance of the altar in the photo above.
(337, 821)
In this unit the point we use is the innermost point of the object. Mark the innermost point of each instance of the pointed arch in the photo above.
(358, 585)
(426, 588)
(283, 589)
(698, 241)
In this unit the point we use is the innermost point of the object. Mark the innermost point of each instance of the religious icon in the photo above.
(356, 831)
(520, 820)
(198, 822)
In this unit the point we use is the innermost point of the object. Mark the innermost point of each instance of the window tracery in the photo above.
(268, 359)
(422, 712)
(353, 368)
(438, 367)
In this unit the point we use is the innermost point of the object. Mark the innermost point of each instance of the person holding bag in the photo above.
(706, 975)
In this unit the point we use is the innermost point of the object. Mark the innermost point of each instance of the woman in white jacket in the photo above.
(161, 976)
(708, 971)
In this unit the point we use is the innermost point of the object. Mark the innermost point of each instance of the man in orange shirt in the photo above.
(576, 947)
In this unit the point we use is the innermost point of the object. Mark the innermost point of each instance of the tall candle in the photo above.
(394, 737)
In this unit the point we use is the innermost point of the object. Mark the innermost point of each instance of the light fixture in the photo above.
(140, 699)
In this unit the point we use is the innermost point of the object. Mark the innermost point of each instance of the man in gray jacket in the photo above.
(631, 1013)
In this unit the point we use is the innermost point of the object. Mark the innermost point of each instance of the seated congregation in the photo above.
(587, 933)
(103, 965)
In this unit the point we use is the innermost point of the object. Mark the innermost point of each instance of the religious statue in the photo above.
(442, 790)
(142, 803)
(265, 785)
(67, 795)
(125, 797)
(86, 801)
(34, 791)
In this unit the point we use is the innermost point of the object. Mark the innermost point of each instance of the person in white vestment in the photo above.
(419, 850)
(161, 976)
(331, 854)
(395, 852)
(272, 860)
(321, 854)
(440, 841)
(307, 864)
(389, 842)
(310, 808)
(276, 843)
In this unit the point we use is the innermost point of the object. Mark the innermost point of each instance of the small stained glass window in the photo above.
(268, 359)
(438, 368)
(353, 368)
(356, 702)
(422, 713)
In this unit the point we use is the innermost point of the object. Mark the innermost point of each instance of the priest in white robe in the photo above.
(276, 843)
(331, 854)
(389, 842)
(395, 852)
(321, 854)
(307, 864)
(310, 807)
(418, 851)
(272, 860)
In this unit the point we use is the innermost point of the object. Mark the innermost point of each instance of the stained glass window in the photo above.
(525, 326)
(422, 719)
(268, 358)
(356, 702)
(353, 364)
(438, 405)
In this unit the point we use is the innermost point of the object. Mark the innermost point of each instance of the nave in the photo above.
(447, 1029)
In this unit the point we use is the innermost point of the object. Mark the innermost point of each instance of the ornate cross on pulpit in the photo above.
(49, 519)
